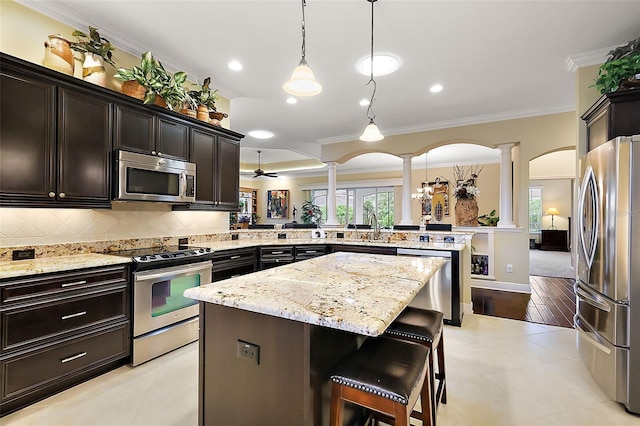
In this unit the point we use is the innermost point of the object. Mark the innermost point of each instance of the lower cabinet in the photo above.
(231, 263)
(59, 330)
(270, 257)
(363, 249)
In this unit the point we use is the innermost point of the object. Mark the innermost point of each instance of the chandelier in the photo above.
(424, 194)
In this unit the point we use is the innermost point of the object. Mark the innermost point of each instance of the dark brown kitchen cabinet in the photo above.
(55, 142)
(614, 114)
(61, 329)
(217, 159)
(143, 130)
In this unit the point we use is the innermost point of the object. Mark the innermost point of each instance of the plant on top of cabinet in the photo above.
(97, 51)
(621, 70)
(202, 98)
(150, 81)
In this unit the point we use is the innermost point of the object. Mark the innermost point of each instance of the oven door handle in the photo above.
(151, 275)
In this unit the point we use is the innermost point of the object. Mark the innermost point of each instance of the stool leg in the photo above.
(337, 405)
(441, 373)
(426, 397)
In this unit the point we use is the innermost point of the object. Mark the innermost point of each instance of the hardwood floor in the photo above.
(552, 301)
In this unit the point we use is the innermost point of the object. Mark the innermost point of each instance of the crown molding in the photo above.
(584, 59)
(459, 122)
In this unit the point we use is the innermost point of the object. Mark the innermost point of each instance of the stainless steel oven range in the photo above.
(163, 319)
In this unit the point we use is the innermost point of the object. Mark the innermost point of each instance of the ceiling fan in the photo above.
(259, 172)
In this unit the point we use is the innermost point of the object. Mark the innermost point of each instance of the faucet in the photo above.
(376, 226)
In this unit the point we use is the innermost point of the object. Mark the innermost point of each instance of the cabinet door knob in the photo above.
(159, 153)
(153, 152)
(52, 194)
(62, 195)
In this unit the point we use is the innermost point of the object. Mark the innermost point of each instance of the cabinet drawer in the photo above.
(307, 252)
(271, 253)
(36, 322)
(229, 257)
(50, 285)
(236, 270)
(31, 371)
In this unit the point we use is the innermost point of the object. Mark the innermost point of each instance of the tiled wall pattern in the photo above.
(31, 226)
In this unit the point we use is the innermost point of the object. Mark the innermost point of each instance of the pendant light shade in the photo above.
(371, 133)
(302, 81)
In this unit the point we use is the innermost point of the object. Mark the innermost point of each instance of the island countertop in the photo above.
(355, 292)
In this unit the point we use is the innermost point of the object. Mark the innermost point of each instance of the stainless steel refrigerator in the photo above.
(608, 284)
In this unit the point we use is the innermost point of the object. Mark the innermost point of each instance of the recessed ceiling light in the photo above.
(261, 134)
(383, 64)
(436, 88)
(364, 102)
(235, 65)
(291, 100)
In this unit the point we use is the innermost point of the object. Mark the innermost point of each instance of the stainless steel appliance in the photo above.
(608, 284)
(441, 294)
(140, 177)
(163, 319)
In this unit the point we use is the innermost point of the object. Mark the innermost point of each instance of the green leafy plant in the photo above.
(93, 43)
(157, 82)
(202, 94)
(311, 213)
(490, 219)
(622, 65)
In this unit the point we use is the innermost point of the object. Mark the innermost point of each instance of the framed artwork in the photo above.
(278, 204)
(439, 188)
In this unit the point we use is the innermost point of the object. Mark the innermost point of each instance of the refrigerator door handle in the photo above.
(591, 299)
(590, 335)
(589, 185)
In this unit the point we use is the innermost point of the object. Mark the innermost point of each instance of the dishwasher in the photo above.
(442, 293)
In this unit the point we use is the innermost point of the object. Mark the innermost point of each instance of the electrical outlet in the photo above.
(282, 236)
(248, 351)
(340, 235)
(24, 254)
(424, 238)
(234, 237)
(183, 241)
(509, 267)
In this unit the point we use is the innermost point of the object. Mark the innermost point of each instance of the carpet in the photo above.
(551, 264)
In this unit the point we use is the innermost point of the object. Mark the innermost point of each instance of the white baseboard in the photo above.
(467, 308)
(501, 285)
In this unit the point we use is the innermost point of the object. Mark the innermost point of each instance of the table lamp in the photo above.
(552, 211)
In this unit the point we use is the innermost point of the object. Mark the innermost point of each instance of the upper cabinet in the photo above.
(140, 129)
(57, 135)
(55, 142)
(217, 159)
(614, 114)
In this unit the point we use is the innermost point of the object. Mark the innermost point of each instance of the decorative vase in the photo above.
(466, 210)
(58, 55)
(203, 113)
(93, 69)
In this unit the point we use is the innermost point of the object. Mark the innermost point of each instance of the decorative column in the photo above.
(506, 185)
(331, 196)
(406, 190)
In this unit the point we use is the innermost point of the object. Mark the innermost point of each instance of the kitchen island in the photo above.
(268, 340)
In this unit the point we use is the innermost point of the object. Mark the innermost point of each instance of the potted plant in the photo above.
(202, 98)
(97, 50)
(149, 81)
(490, 219)
(311, 213)
(172, 91)
(622, 69)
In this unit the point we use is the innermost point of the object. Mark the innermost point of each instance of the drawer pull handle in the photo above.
(79, 314)
(310, 251)
(277, 252)
(71, 358)
(235, 257)
(74, 283)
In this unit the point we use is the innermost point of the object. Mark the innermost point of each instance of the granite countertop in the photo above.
(45, 265)
(232, 244)
(355, 292)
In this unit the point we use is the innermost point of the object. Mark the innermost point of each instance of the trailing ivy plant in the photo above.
(622, 64)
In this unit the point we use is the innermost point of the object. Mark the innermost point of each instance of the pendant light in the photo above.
(302, 81)
(371, 132)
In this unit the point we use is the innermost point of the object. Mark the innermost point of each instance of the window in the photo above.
(355, 205)
(535, 209)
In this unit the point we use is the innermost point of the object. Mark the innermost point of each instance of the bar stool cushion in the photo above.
(417, 324)
(385, 367)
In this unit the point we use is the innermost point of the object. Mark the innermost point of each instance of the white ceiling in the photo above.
(495, 59)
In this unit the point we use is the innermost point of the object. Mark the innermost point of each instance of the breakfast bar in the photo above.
(269, 339)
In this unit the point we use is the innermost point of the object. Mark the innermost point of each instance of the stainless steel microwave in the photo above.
(141, 177)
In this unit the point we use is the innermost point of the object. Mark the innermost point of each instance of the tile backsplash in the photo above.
(33, 226)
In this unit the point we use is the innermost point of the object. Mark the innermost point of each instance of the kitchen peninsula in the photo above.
(268, 340)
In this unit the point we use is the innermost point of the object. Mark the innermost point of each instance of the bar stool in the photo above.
(385, 375)
(424, 326)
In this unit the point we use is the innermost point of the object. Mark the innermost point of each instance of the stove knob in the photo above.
(143, 258)
(208, 250)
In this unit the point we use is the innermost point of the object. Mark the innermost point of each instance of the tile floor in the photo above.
(500, 372)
